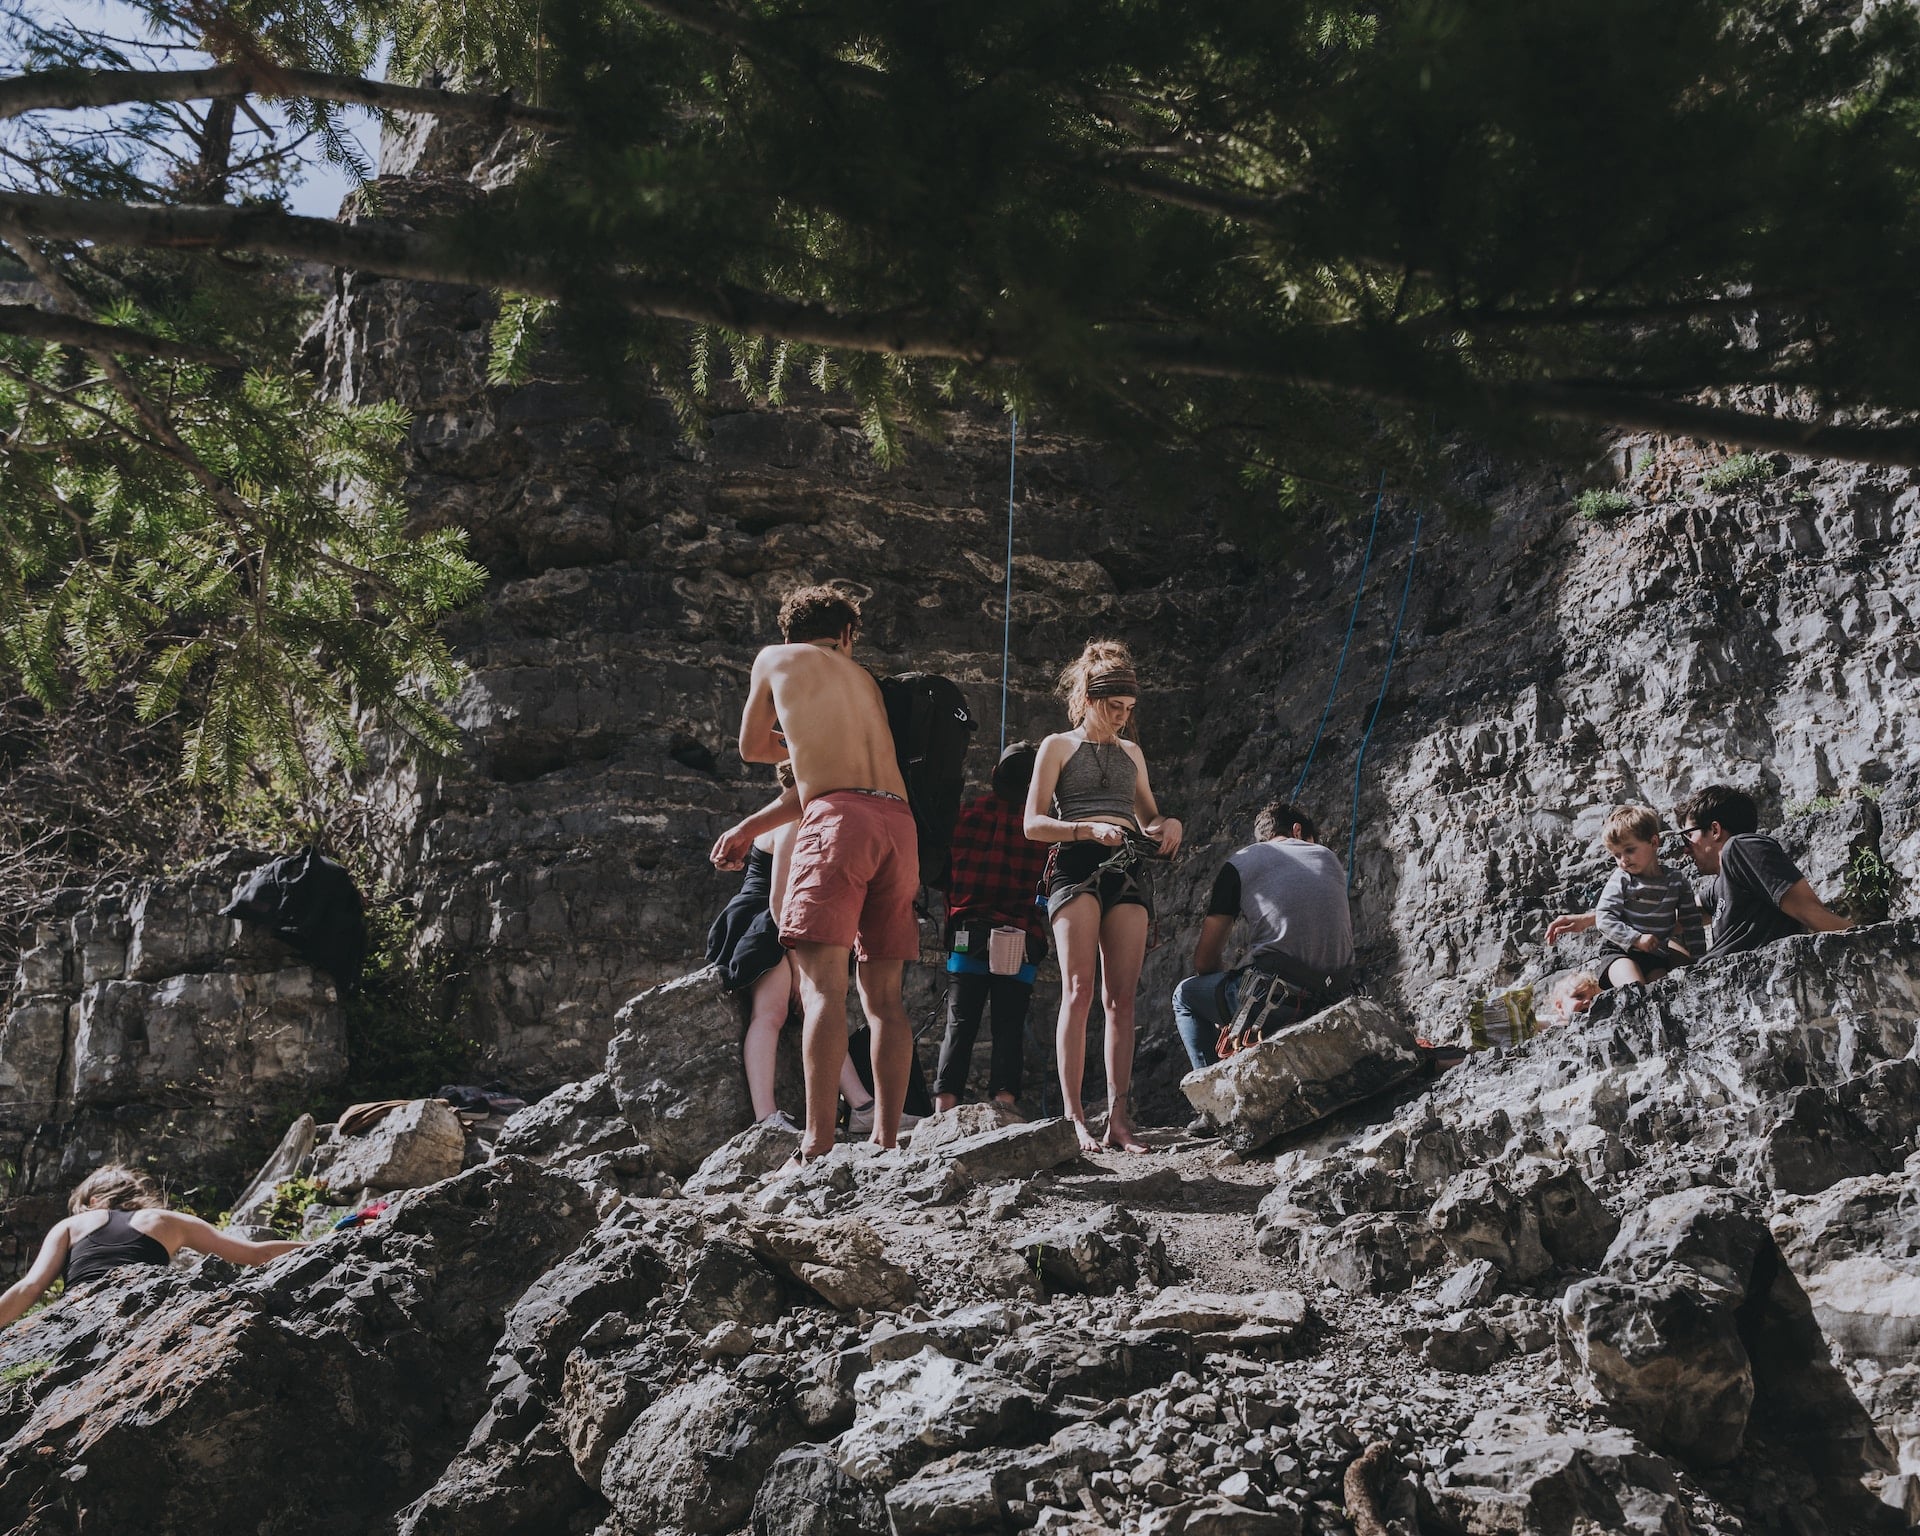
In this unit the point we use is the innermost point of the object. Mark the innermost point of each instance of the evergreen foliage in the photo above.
(191, 521)
(1300, 240)
(275, 605)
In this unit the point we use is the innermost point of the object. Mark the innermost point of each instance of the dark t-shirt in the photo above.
(1743, 900)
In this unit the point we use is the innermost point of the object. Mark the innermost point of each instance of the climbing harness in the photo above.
(1393, 647)
(1128, 861)
(1006, 607)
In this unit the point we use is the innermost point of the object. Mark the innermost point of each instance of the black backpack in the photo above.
(306, 900)
(932, 729)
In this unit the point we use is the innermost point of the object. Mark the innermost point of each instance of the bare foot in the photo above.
(1122, 1136)
(1088, 1141)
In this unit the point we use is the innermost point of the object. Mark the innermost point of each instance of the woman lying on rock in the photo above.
(121, 1218)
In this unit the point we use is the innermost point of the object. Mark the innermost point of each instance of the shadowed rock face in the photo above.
(324, 1389)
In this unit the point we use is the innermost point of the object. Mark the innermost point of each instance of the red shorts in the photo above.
(855, 872)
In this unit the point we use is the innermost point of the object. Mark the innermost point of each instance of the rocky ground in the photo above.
(1653, 1272)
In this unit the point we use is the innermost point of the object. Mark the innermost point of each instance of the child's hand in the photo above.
(1566, 923)
(1649, 943)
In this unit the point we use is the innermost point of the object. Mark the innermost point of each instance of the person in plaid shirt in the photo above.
(994, 884)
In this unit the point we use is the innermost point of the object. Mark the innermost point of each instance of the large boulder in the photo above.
(419, 1143)
(1109, 1249)
(250, 1393)
(842, 1260)
(1532, 1481)
(737, 1165)
(808, 1494)
(1855, 1251)
(574, 1121)
(693, 1461)
(1304, 1073)
(1656, 1336)
(676, 1070)
(907, 1412)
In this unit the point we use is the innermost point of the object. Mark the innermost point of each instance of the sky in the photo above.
(323, 186)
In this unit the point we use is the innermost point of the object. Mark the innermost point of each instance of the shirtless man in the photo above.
(856, 862)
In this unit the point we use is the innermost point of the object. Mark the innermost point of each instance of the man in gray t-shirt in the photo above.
(1292, 894)
(1755, 893)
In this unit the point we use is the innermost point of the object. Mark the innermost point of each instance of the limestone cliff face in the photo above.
(565, 861)
(1548, 666)
(1551, 667)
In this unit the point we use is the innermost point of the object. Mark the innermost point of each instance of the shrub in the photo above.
(402, 1038)
(1598, 505)
(1868, 884)
(291, 1197)
(1740, 470)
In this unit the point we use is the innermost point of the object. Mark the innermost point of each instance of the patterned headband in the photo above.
(1114, 683)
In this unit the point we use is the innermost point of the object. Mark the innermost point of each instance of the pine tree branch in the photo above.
(233, 509)
(68, 331)
(724, 27)
(386, 250)
(73, 89)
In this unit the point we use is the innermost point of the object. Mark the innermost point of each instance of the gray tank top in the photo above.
(1097, 780)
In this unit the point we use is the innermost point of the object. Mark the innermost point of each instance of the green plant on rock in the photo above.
(402, 1038)
(1743, 469)
(1868, 886)
(1599, 505)
(291, 1197)
(24, 1370)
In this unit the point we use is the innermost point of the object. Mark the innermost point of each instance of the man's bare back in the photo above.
(830, 712)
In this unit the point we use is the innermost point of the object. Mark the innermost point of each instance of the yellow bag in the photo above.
(1503, 1018)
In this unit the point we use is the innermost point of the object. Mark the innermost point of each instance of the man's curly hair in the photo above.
(817, 613)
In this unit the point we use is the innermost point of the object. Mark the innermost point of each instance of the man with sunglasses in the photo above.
(1755, 893)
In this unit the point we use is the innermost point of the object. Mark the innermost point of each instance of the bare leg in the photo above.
(1123, 946)
(761, 1048)
(1076, 935)
(879, 982)
(944, 1101)
(822, 979)
(1624, 971)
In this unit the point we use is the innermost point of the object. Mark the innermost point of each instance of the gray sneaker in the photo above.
(860, 1121)
(779, 1121)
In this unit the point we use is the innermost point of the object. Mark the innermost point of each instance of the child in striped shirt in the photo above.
(1646, 914)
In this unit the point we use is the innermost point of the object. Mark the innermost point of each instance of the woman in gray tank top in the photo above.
(1089, 792)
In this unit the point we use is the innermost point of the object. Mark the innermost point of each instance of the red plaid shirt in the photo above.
(996, 868)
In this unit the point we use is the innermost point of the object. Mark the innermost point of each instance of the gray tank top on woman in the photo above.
(1097, 780)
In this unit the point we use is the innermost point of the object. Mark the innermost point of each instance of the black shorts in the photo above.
(1653, 963)
(1074, 863)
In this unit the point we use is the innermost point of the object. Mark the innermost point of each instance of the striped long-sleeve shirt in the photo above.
(1661, 904)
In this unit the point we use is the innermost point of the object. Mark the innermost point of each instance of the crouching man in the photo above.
(1292, 893)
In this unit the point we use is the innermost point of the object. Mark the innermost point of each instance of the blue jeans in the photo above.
(1201, 1005)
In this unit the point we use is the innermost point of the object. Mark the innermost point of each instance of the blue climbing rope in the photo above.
(1393, 645)
(1352, 618)
(1006, 616)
